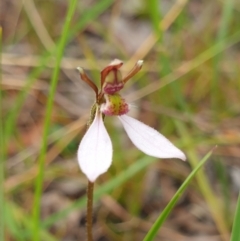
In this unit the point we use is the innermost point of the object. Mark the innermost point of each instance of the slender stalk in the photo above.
(236, 223)
(47, 122)
(89, 210)
(2, 155)
(225, 23)
(90, 187)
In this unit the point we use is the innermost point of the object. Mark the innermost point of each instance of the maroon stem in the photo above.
(89, 210)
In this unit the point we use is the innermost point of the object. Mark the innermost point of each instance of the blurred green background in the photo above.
(188, 89)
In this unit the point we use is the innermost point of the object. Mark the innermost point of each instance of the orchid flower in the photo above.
(95, 150)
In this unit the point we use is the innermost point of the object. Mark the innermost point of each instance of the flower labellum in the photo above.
(95, 149)
(115, 105)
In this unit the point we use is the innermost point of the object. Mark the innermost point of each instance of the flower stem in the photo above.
(89, 210)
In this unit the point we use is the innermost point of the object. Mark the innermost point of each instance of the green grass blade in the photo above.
(105, 188)
(236, 223)
(154, 9)
(2, 151)
(228, 7)
(54, 81)
(90, 14)
(214, 203)
(155, 16)
(20, 225)
(159, 222)
(12, 224)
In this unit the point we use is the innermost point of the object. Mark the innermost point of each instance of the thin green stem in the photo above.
(236, 223)
(89, 210)
(54, 81)
(227, 15)
(2, 151)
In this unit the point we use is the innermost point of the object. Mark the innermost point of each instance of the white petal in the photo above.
(95, 150)
(149, 140)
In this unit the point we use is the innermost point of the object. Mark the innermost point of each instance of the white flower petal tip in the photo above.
(80, 69)
(95, 150)
(150, 141)
(140, 63)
